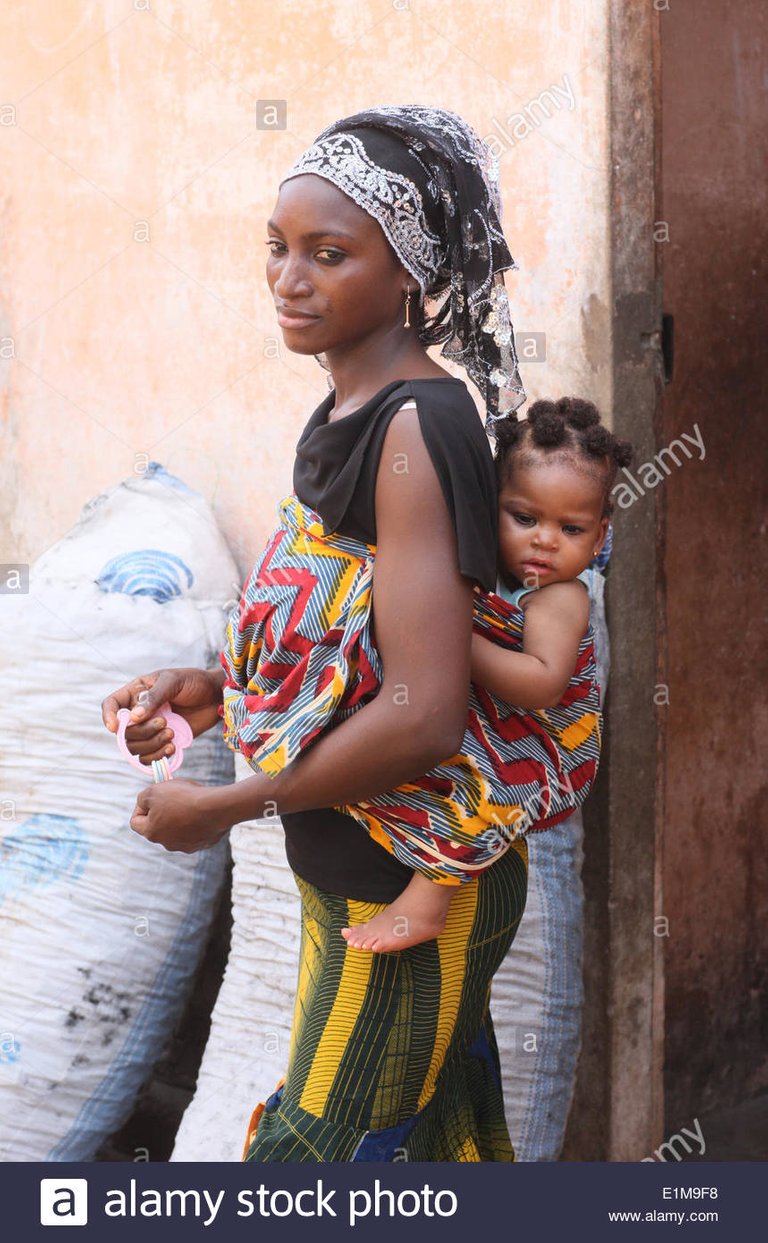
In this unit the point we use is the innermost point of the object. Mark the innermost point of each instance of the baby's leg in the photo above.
(417, 915)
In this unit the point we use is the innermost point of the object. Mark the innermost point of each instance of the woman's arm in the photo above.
(423, 627)
(555, 620)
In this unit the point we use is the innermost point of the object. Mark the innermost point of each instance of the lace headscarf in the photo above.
(433, 186)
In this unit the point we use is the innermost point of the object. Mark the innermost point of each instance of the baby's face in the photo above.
(550, 523)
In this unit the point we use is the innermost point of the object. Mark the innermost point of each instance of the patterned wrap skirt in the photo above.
(393, 1056)
(300, 656)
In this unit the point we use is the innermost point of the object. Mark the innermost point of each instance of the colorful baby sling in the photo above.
(300, 657)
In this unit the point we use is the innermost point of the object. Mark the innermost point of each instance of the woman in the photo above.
(392, 1056)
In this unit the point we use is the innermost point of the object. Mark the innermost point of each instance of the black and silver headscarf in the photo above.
(433, 186)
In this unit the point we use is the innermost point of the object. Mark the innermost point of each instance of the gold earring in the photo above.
(407, 323)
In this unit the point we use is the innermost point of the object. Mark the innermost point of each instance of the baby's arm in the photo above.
(555, 620)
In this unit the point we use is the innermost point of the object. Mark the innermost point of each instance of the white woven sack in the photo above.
(247, 1050)
(100, 930)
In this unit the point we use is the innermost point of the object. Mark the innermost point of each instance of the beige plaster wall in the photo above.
(135, 317)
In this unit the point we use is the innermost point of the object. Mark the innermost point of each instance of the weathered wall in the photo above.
(715, 144)
(135, 193)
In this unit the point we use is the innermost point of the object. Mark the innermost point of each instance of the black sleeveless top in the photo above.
(335, 474)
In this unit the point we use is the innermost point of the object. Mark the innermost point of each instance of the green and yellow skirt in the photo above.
(393, 1056)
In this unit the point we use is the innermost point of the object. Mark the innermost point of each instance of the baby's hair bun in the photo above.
(547, 424)
(623, 452)
(549, 420)
(508, 432)
(578, 412)
(541, 408)
(597, 440)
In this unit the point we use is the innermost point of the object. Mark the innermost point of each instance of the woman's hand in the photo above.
(176, 814)
(194, 694)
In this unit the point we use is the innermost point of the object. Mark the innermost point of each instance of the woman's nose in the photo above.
(291, 281)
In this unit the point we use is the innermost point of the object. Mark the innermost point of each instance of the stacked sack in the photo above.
(247, 1050)
(100, 930)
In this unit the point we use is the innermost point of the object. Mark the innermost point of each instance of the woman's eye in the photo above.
(334, 255)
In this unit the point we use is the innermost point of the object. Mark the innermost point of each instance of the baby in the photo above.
(555, 470)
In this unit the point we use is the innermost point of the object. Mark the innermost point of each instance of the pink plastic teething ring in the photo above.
(182, 738)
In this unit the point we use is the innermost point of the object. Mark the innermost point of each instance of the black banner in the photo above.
(425, 1201)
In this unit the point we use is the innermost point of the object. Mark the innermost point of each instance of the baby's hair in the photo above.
(569, 428)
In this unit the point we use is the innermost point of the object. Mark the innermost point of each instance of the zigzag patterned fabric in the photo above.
(299, 657)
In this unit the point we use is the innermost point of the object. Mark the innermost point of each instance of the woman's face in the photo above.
(330, 259)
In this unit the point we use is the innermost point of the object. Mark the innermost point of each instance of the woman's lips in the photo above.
(296, 321)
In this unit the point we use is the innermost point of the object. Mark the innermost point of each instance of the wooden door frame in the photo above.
(617, 1112)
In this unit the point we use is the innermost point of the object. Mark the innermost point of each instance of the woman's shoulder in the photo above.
(448, 390)
(447, 411)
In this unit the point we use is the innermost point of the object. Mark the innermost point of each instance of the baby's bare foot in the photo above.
(387, 932)
(417, 915)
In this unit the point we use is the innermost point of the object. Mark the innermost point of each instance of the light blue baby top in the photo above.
(514, 597)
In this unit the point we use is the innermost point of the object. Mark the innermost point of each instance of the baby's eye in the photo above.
(525, 520)
(570, 528)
